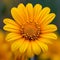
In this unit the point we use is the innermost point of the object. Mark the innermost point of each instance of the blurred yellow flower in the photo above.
(5, 52)
(53, 52)
(31, 29)
(2, 36)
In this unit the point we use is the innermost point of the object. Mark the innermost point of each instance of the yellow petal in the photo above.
(43, 46)
(24, 46)
(45, 40)
(17, 17)
(37, 10)
(29, 8)
(42, 14)
(13, 36)
(49, 35)
(49, 28)
(23, 12)
(11, 28)
(48, 19)
(17, 44)
(35, 48)
(29, 51)
(10, 21)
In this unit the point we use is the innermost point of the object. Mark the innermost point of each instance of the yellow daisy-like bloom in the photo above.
(30, 30)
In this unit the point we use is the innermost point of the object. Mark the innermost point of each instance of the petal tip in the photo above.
(5, 20)
(13, 9)
(21, 4)
(29, 4)
(47, 8)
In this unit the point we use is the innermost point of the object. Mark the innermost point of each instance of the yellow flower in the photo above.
(31, 29)
(2, 37)
(54, 49)
(53, 52)
(5, 52)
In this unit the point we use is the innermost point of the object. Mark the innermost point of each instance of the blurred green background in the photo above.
(6, 5)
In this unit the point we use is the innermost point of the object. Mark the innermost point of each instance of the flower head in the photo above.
(30, 31)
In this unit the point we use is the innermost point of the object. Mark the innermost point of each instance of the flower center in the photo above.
(31, 31)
